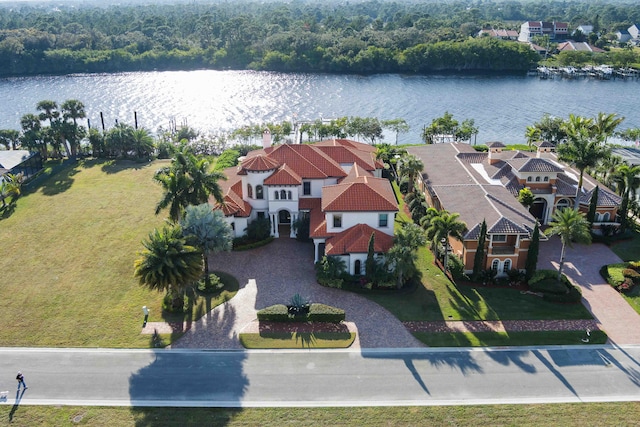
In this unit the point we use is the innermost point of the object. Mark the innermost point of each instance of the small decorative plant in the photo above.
(298, 305)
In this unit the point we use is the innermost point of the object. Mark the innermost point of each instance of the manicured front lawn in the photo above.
(564, 414)
(298, 340)
(67, 258)
(489, 339)
(628, 250)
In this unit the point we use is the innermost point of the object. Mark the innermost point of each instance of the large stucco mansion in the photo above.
(337, 184)
(485, 186)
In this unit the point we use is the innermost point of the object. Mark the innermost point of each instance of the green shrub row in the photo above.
(546, 282)
(240, 245)
(317, 313)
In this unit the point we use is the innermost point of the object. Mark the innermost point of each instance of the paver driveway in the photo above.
(272, 275)
(582, 266)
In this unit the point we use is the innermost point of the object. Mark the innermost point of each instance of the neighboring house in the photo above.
(485, 186)
(555, 30)
(19, 161)
(584, 29)
(500, 34)
(623, 36)
(336, 184)
(634, 31)
(578, 46)
(631, 35)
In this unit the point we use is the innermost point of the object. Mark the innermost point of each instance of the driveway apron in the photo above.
(582, 266)
(271, 275)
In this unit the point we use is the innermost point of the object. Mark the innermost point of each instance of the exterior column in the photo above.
(315, 249)
(274, 221)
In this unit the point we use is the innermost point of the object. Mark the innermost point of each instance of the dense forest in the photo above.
(318, 36)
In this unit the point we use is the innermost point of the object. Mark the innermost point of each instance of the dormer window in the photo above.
(537, 179)
(546, 179)
(529, 179)
(499, 237)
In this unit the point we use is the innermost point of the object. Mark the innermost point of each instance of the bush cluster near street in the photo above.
(554, 289)
(317, 313)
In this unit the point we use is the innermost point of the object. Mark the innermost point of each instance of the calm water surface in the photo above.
(217, 101)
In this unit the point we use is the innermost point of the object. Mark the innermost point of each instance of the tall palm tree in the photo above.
(187, 181)
(168, 264)
(49, 112)
(571, 226)
(72, 109)
(10, 138)
(402, 255)
(410, 167)
(442, 228)
(606, 124)
(582, 149)
(32, 135)
(532, 134)
(142, 143)
(607, 167)
(627, 179)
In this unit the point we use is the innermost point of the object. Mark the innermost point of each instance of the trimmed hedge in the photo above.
(546, 282)
(317, 313)
(239, 245)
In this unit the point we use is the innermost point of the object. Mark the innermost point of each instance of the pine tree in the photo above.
(591, 215)
(532, 254)
(478, 260)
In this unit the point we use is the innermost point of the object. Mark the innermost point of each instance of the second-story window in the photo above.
(249, 191)
(259, 192)
(499, 237)
(306, 188)
(337, 221)
(383, 220)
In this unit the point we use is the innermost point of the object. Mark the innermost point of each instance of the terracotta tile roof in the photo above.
(306, 161)
(477, 157)
(565, 185)
(259, 163)
(545, 144)
(347, 143)
(356, 240)
(359, 195)
(346, 155)
(495, 144)
(317, 220)
(233, 204)
(355, 173)
(284, 176)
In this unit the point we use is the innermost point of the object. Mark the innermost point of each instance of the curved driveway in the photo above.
(582, 266)
(272, 275)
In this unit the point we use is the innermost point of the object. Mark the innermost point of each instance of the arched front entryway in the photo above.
(539, 209)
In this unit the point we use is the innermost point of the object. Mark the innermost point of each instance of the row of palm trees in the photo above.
(175, 257)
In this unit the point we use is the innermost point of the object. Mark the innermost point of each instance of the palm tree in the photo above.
(402, 255)
(209, 232)
(607, 167)
(49, 112)
(9, 138)
(32, 135)
(410, 167)
(627, 179)
(168, 264)
(389, 155)
(442, 228)
(571, 226)
(532, 134)
(74, 110)
(10, 186)
(606, 124)
(187, 181)
(582, 149)
(142, 143)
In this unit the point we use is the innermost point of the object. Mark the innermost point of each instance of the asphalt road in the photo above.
(428, 376)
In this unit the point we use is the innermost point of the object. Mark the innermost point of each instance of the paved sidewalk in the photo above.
(582, 267)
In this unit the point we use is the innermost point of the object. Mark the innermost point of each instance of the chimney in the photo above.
(266, 138)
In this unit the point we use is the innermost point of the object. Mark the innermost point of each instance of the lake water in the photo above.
(217, 101)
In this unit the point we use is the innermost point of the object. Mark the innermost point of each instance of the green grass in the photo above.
(298, 340)
(564, 414)
(436, 298)
(628, 250)
(633, 298)
(492, 339)
(67, 258)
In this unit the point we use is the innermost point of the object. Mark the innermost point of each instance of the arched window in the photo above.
(259, 192)
(289, 195)
(598, 217)
(537, 179)
(507, 265)
(529, 179)
(605, 217)
(277, 195)
(357, 267)
(546, 179)
(283, 195)
(495, 264)
(563, 204)
(250, 191)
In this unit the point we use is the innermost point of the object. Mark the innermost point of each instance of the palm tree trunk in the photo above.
(578, 191)
(207, 280)
(561, 262)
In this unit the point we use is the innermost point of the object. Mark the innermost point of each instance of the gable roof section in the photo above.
(284, 176)
(605, 198)
(533, 164)
(356, 240)
(506, 226)
(307, 161)
(342, 155)
(355, 173)
(361, 194)
(233, 204)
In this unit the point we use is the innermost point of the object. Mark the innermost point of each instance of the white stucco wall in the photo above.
(350, 219)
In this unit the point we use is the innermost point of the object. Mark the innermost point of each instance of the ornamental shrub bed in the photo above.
(546, 282)
(622, 276)
(317, 313)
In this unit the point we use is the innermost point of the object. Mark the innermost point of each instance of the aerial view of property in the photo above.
(319, 213)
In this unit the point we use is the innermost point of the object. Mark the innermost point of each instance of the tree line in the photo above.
(363, 37)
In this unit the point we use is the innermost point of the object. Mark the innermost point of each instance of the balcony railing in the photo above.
(503, 250)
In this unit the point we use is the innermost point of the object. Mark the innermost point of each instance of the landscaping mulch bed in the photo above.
(304, 327)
